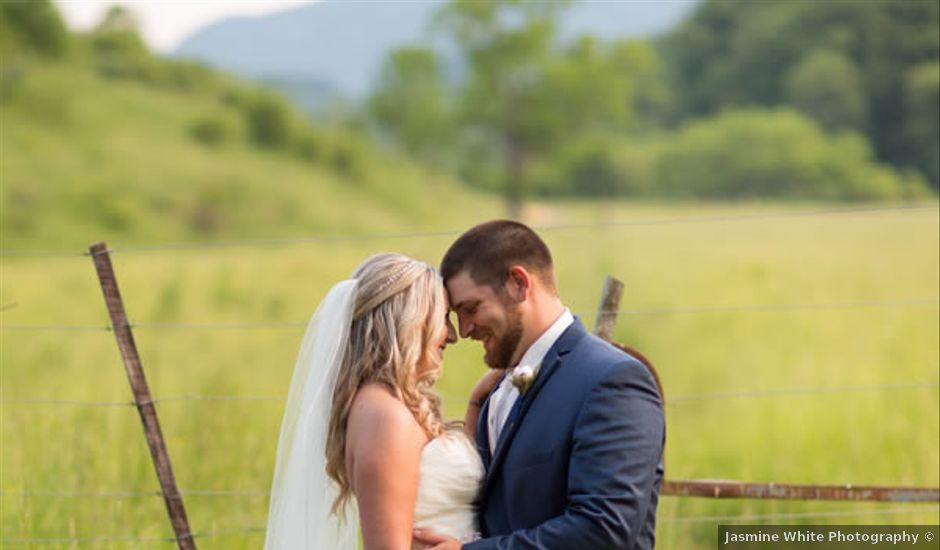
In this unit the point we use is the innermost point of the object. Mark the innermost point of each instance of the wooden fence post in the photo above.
(604, 328)
(607, 312)
(148, 413)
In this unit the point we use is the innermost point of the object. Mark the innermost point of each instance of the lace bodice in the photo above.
(450, 476)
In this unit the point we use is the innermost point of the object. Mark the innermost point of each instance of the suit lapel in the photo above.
(483, 433)
(483, 427)
(552, 361)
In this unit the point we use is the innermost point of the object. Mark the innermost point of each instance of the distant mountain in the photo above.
(312, 94)
(340, 45)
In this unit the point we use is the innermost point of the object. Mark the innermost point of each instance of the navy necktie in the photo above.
(510, 420)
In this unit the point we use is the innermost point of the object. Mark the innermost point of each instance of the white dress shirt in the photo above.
(503, 399)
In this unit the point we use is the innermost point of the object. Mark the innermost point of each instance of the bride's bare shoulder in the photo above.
(376, 415)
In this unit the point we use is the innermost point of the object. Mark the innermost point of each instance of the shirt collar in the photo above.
(536, 352)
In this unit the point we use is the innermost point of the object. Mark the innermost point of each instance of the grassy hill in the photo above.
(87, 158)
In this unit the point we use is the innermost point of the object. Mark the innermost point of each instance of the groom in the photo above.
(572, 437)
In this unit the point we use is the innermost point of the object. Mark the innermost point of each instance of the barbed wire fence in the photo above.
(607, 313)
(715, 519)
(681, 220)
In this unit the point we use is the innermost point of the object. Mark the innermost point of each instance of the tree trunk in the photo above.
(514, 182)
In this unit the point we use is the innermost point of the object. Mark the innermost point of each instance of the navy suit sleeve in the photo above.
(614, 470)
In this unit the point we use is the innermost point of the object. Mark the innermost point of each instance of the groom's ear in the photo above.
(519, 283)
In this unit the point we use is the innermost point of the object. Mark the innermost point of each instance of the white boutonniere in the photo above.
(522, 377)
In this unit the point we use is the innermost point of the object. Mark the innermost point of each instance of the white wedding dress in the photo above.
(299, 515)
(448, 481)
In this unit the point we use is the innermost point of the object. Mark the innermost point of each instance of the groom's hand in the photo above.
(436, 541)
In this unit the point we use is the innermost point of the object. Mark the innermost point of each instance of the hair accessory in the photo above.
(393, 278)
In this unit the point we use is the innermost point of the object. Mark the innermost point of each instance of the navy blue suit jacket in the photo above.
(579, 463)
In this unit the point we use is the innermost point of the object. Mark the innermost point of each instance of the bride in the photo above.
(363, 440)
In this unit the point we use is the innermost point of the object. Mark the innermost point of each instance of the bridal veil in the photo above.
(302, 494)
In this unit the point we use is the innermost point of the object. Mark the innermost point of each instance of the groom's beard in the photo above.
(506, 346)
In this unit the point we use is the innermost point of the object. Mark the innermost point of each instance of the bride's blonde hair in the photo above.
(399, 307)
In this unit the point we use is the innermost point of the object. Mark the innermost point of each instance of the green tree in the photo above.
(826, 85)
(411, 104)
(117, 33)
(118, 49)
(743, 52)
(31, 27)
(654, 101)
(268, 120)
(922, 105)
(777, 153)
(520, 96)
(505, 102)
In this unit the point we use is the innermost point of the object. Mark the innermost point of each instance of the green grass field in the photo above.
(846, 393)
(860, 432)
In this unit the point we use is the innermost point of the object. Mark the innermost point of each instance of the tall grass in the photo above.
(865, 433)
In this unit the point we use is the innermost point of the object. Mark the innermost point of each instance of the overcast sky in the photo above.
(166, 23)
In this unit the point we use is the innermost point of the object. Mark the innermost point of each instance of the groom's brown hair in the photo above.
(488, 251)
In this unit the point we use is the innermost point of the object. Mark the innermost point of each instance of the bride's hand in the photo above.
(478, 395)
(484, 386)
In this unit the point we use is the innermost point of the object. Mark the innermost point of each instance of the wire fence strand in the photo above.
(55, 328)
(277, 325)
(170, 399)
(130, 538)
(679, 398)
(796, 391)
(724, 218)
(75, 402)
(131, 494)
(677, 520)
(798, 515)
(780, 307)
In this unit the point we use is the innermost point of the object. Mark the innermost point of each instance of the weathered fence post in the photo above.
(604, 328)
(607, 312)
(148, 413)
